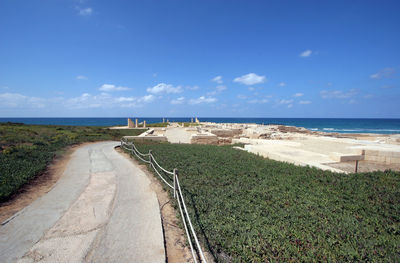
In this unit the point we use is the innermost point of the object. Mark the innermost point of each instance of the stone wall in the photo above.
(204, 139)
(386, 157)
(222, 132)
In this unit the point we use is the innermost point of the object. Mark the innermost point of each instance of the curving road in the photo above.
(101, 210)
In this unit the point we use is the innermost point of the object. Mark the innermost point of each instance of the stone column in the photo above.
(130, 123)
(136, 124)
(144, 124)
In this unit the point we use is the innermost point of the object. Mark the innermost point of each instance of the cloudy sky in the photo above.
(244, 58)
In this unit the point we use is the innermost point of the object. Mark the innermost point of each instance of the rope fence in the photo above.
(175, 185)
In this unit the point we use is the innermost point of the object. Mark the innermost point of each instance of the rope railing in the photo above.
(177, 195)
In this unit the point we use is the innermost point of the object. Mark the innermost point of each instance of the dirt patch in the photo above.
(364, 166)
(175, 238)
(37, 186)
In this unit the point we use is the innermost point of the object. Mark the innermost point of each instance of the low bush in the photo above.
(249, 209)
(25, 150)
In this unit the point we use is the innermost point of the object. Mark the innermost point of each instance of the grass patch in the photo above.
(249, 209)
(25, 150)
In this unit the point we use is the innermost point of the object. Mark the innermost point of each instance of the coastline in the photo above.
(337, 152)
(331, 125)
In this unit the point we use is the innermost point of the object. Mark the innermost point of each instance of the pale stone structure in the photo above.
(136, 123)
(387, 157)
(130, 123)
(204, 139)
(222, 132)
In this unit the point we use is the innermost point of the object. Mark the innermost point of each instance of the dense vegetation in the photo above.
(25, 150)
(249, 209)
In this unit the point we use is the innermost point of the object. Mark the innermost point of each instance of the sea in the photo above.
(379, 126)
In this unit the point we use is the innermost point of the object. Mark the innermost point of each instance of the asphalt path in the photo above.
(101, 210)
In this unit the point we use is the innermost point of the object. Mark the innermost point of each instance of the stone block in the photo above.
(204, 139)
(393, 160)
(237, 131)
(396, 154)
(371, 152)
(223, 140)
(222, 132)
(385, 153)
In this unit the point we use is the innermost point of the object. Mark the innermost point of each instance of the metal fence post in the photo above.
(175, 175)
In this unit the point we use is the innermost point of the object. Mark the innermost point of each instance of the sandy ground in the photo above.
(38, 186)
(177, 135)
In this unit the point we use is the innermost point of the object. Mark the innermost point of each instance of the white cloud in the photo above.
(146, 98)
(85, 11)
(241, 96)
(105, 100)
(305, 53)
(179, 100)
(126, 99)
(217, 90)
(86, 101)
(16, 100)
(284, 101)
(218, 79)
(298, 94)
(250, 79)
(258, 101)
(282, 84)
(220, 88)
(192, 87)
(81, 77)
(111, 87)
(338, 94)
(384, 73)
(289, 103)
(202, 99)
(164, 88)
(304, 102)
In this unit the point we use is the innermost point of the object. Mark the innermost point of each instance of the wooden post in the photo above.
(356, 168)
(150, 156)
(175, 175)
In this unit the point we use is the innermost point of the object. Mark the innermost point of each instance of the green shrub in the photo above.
(249, 209)
(25, 150)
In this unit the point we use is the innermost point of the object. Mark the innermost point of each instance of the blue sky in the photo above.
(66, 58)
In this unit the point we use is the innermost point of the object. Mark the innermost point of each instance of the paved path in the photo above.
(177, 135)
(101, 210)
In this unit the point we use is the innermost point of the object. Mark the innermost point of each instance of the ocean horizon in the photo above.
(339, 125)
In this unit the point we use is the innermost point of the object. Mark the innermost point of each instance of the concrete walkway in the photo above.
(101, 210)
